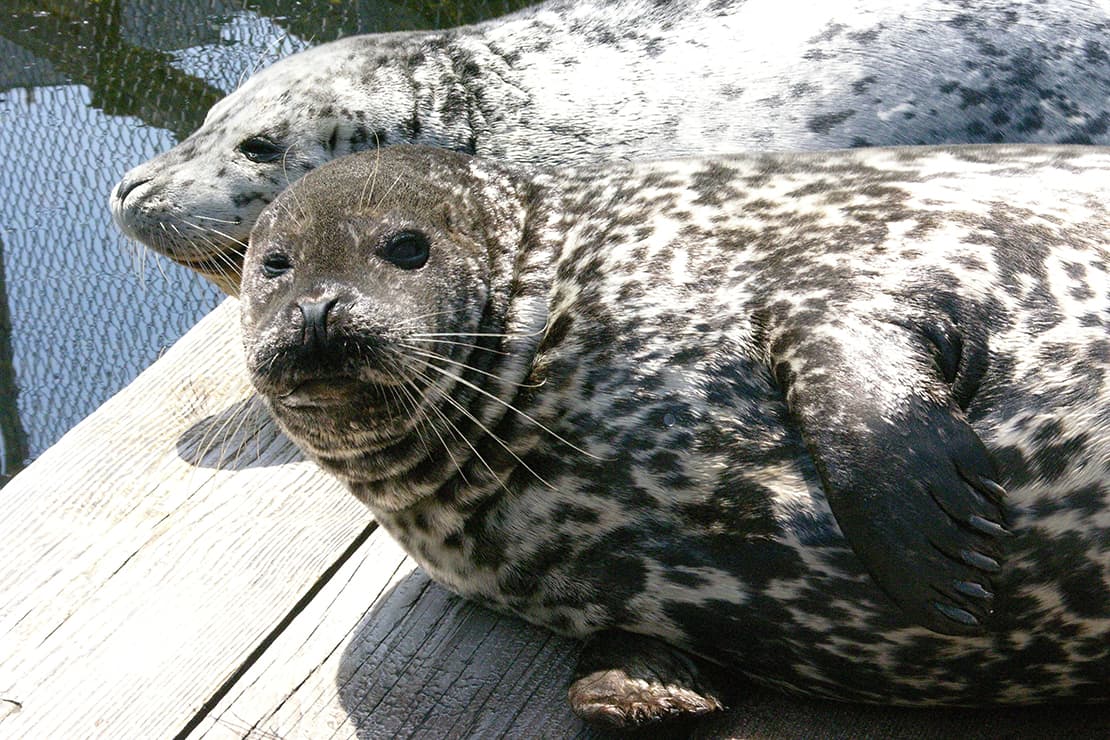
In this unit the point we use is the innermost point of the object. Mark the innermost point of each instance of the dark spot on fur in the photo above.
(824, 123)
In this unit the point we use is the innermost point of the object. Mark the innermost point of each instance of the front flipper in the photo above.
(910, 483)
(625, 681)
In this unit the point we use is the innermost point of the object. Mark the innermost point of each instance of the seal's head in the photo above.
(370, 290)
(197, 202)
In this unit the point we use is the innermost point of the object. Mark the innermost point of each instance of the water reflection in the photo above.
(87, 90)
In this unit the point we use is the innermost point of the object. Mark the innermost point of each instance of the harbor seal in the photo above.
(837, 421)
(572, 82)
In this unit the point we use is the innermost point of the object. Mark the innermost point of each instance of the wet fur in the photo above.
(649, 475)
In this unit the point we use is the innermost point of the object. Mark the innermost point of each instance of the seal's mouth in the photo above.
(323, 392)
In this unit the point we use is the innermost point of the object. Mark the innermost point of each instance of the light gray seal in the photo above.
(581, 81)
(836, 421)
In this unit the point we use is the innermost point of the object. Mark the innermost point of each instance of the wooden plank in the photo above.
(383, 652)
(135, 583)
(146, 591)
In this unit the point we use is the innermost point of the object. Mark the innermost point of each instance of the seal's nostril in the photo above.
(315, 314)
(126, 186)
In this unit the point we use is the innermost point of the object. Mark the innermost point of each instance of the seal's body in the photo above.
(580, 81)
(649, 398)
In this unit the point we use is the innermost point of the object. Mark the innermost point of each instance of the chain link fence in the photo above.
(88, 89)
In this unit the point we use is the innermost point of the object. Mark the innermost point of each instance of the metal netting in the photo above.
(87, 90)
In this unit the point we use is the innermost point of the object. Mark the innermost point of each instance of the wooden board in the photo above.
(135, 583)
(172, 567)
(383, 652)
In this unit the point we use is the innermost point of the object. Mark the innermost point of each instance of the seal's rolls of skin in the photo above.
(572, 82)
(839, 421)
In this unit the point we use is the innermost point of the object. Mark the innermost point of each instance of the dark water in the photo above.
(87, 90)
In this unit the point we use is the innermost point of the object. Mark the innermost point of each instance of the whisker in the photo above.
(364, 199)
(478, 334)
(512, 408)
(495, 376)
(461, 344)
(233, 222)
(447, 397)
(422, 411)
(489, 432)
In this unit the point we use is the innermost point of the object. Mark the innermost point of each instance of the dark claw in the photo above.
(987, 527)
(956, 614)
(970, 588)
(978, 560)
(990, 487)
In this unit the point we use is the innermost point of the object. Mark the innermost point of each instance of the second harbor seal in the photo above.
(577, 81)
(836, 421)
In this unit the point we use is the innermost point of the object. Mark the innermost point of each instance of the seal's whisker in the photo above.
(492, 435)
(450, 427)
(480, 334)
(461, 344)
(396, 392)
(285, 171)
(364, 199)
(248, 417)
(219, 436)
(454, 430)
(233, 222)
(456, 363)
(462, 410)
(431, 387)
(217, 232)
(385, 195)
(421, 410)
(225, 265)
(408, 321)
(514, 409)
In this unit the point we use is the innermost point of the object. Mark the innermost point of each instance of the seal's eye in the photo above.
(276, 264)
(260, 149)
(407, 249)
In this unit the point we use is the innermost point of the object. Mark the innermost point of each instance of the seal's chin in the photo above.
(322, 392)
(223, 267)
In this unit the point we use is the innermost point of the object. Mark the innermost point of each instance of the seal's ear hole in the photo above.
(276, 264)
(260, 149)
(406, 249)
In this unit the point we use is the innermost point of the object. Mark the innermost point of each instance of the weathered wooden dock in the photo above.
(173, 568)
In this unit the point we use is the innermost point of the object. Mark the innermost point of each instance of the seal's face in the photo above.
(346, 308)
(197, 202)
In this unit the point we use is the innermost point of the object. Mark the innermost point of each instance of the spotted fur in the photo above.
(651, 475)
(578, 81)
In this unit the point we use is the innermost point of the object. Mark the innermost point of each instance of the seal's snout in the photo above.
(126, 186)
(315, 316)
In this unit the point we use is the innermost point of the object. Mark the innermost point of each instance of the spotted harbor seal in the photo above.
(575, 82)
(644, 401)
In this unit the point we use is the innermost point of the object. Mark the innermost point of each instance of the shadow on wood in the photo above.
(428, 663)
(242, 436)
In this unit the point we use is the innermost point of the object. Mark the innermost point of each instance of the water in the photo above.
(89, 89)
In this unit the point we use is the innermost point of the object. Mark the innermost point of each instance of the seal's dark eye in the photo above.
(260, 149)
(407, 249)
(276, 264)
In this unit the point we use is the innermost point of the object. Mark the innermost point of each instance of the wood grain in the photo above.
(173, 567)
(133, 582)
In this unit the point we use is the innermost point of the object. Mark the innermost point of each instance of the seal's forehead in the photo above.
(418, 179)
